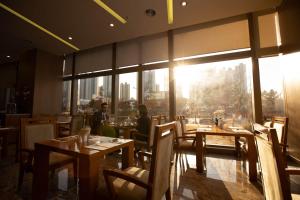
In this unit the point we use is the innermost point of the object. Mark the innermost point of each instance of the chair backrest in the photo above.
(14, 120)
(162, 119)
(160, 168)
(178, 131)
(76, 123)
(281, 126)
(35, 130)
(154, 122)
(274, 179)
(64, 118)
(268, 124)
(183, 122)
(178, 117)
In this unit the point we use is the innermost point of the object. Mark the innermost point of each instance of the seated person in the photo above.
(143, 122)
(99, 118)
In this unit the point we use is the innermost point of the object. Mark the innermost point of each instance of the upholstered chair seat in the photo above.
(126, 190)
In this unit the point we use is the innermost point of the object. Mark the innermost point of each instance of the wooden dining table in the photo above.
(88, 155)
(236, 132)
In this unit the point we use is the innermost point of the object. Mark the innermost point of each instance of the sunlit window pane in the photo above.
(92, 92)
(220, 89)
(271, 83)
(66, 101)
(156, 91)
(127, 100)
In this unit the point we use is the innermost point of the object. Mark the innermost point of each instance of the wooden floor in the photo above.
(225, 178)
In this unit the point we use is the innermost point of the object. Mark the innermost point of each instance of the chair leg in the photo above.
(75, 167)
(21, 176)
(168, 194)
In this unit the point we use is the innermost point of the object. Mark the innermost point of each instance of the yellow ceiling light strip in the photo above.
(170, 11)
(37, 26)
(110, 11)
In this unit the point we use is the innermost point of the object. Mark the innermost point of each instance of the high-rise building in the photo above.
(149, 78)
(87, 88)
(124, 91)
(107, 86)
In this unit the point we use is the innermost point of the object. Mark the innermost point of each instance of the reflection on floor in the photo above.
(225, 178)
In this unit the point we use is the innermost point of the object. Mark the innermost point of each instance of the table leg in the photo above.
(252, 158)
(4, 146)
(237, 145)
(40, 173)
(17, 145)
(199, 152)
(88, 175)
(127, 155)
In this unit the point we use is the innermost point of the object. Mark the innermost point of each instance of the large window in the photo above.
(156, 91)
(66, 101)
(92, 92)
(271, 84)
(220, 89)
(127, 101)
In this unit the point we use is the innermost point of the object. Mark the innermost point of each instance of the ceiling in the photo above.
(88, 23)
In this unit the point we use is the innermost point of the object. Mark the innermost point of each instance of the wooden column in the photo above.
(140, 86)
(113, 79)
(254, 39)
(172, 96)
(72, 109)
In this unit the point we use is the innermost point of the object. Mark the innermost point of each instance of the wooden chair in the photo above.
(14, 120)
(148, 142)
(136, 183)
(275, 177)
(34, 130)
(163, 119)
(63, 125)
(182, 120)
(183, 142)
(281, 126)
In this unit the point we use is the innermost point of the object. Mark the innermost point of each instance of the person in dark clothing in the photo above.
(143, 122)
(99, 118)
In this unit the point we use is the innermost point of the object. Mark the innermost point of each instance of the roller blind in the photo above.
(154, 48)
(128, 53)
(95, 59)
(68, 63)
(202, 40)
(267, 30)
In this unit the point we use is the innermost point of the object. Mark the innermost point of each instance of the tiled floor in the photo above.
(225, 178)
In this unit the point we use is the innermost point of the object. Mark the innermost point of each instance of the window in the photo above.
(92, 92)
(271, 84)
(127, 101)
(66, 101)
(156, 91)
(220, 89)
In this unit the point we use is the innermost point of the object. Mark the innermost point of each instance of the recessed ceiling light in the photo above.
(7, 56)
(150, 12)
(183, 3)
(111, 25)
(70, 38)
